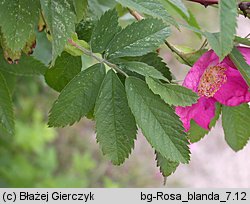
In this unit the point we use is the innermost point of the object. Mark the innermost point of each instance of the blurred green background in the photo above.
(38, 156)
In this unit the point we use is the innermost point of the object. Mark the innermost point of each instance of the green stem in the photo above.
(174, 50)
(204, 44)
(138, 17)
(101, 60)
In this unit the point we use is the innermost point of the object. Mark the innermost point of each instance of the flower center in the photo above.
(211, 81)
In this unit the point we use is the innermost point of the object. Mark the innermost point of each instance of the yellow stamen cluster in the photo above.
(211, 81)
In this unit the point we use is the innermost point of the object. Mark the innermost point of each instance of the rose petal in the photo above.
(235, 91)
(202, 113)
(232, 93)
(245, 51)
(193, 77)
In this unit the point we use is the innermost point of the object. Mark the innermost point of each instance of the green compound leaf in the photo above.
(241, 64)
(27, 66)
(107, 3)
(60, 18)
(158, 121)
(240, 40)
(17, 21)
(66, 68)
(172, 94)
(105, 30)
(228, 23)
(222, 43)
(196, 133)
(153, 59)
(10, 81)
(150, 7)
(235, 122)
(142, 69)
(167, 167)
(138, 39)
(115, 124)
(81, 8)
(192, 22)
(177, 10)
(78, 98)
(85, 28)
(7, 125)
(214, 41)
(180, 5)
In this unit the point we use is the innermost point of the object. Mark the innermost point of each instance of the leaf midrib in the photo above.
(135, 42)
(162, 126)
(114, 117)
(72, 104)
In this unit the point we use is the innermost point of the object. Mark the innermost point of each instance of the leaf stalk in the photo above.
(101, 60)
(138, 17)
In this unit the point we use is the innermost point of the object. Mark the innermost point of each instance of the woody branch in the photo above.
(244, 6)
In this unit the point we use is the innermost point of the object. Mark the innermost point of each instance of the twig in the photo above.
(244, 6)
(205, 2)
(138, 17)
(247, 35)
(101, 60)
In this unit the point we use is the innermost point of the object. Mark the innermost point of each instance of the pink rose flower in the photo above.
(214, 81)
